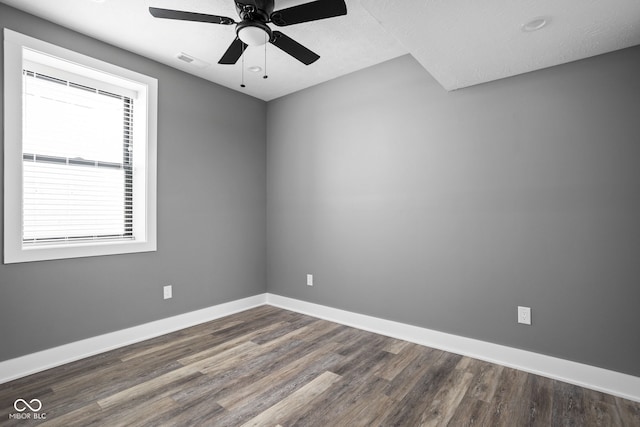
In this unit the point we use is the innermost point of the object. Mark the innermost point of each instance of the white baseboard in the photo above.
(611, 382)
(35, 362)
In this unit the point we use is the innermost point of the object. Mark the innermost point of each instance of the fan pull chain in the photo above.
(265, 56)
(242, 65)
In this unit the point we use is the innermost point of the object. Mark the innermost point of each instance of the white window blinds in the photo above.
(77, 162)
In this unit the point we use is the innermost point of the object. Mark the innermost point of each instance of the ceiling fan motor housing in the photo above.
(256, 10)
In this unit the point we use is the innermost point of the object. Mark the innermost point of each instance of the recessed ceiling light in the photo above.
(255, 69)
(535, 24)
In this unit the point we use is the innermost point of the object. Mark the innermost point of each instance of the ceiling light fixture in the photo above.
(253, 33)
(535, 24)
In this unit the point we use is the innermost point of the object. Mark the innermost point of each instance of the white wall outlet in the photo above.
(309, 279)
(524, 315)
(167, 292)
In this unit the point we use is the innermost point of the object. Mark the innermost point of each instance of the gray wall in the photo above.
(211, 217)
(443, 210)
(447, 210)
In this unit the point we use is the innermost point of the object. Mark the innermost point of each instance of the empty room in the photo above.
(320, 213)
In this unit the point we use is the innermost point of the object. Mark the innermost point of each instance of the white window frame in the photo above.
(145, 158)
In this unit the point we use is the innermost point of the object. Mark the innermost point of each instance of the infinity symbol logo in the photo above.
(21, 405)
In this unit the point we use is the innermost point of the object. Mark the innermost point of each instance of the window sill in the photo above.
(75, 250)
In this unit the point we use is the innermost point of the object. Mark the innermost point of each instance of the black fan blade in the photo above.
(293, 48)
(190, 16)
(233, 53)
(319, 9)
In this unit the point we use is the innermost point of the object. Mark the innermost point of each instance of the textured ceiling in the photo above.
(345, 43)
(460, 42)
(467, 42)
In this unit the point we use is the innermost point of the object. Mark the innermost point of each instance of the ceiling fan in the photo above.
(252, 29)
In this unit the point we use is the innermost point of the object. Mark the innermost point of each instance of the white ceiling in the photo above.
(460, 42)
(467, 42)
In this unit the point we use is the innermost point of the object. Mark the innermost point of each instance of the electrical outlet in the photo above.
(309, 279)
(167, 292)
(524, 315)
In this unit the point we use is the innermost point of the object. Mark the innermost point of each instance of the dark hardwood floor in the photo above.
(269, 367)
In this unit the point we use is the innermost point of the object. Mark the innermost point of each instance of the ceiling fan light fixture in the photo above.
(254, 33)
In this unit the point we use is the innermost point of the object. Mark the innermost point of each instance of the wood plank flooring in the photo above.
(272, 367)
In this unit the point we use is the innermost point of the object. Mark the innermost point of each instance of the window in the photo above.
(80, 155)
